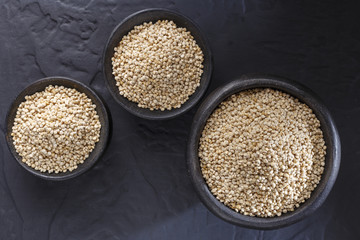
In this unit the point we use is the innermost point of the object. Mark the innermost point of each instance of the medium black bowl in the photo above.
(126, 26)
(332, 141)
(40, 85)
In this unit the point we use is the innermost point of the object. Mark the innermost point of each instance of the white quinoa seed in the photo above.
(158, 66)
(56, 129)
(262, 152)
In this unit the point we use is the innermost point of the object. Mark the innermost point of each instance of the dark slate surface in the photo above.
(140, 188)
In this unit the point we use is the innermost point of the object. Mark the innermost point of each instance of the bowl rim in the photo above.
(332, 159)
(166, 114)
(79, 86)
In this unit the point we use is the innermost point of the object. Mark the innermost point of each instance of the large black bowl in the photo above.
(40, 85)
(332, 141)
(126, 26)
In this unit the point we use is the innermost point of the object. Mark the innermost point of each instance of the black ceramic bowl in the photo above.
(332, 161)
(40, 85)
(126, 26)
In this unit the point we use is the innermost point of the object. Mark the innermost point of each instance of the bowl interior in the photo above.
(137, 19)
(100, 108)
(331, 138)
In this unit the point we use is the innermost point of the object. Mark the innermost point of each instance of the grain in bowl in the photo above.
(262, 152)
(157, 65)
(56, 129)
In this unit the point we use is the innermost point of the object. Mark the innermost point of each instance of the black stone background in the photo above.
(140, 188)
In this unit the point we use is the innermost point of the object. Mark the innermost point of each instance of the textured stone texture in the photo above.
(140, 188)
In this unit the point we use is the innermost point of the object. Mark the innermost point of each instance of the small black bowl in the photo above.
(331, 137)
(40, 85)
(126, 26)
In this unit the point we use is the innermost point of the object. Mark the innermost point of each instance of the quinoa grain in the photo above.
(158, 65)
(56, 129)
(262, 152)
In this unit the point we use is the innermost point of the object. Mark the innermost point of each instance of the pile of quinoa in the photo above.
(56, 129)
(262, 152)
(158, 65)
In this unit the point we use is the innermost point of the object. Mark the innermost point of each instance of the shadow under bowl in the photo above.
(123, 29)
(39, 86)
(331, 137)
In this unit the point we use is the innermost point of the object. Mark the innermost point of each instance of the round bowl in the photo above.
(126, 26)
(40, 85)
(331, 137)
